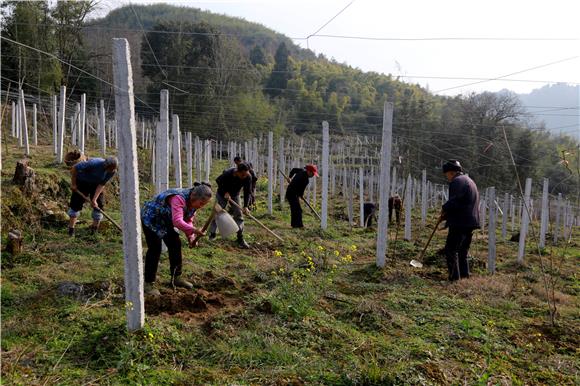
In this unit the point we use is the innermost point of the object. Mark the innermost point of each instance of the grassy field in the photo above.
(312, 310)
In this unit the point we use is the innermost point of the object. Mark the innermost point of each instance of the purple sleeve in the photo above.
(177, 204)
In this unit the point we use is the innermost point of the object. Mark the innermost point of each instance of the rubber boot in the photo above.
(212, 236)
(150, 290)
(241, 242)
(71, 231)
(178, 281)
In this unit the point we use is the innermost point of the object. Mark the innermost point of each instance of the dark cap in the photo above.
(452, 165)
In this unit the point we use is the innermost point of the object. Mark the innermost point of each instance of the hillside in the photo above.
(563, 114)
(313, 310)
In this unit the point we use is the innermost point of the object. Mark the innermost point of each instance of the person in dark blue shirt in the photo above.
(461, 212)
(89, 178)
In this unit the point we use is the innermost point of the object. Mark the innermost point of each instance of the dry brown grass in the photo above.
(497, 286)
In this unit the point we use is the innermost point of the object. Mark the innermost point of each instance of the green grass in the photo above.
(283, 320)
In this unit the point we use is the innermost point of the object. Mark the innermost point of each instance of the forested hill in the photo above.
(249, 34)
(564, 100)
(230, 78)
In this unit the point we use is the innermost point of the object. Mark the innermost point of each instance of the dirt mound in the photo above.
(188, 304)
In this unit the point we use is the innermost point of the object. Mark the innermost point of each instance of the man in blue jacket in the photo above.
(461, 212)
(89, 179)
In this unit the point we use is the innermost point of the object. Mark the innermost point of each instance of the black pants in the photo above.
(295, 211)
(76, 201)
(456, 249)
(173, 243)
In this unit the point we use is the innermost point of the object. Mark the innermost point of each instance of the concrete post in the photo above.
(61, 119)
(24, 126)
(103, 129)
(557, 223)
(424, 198)
(14, 117)
(361, 196)
(176, 150)
(129, 186)
(383, 223)
(270, 171)
(34, 127)
(55, 123)
(325, 174)
(189, 151)
(491, 231)
(207, 159)
(545, 214)
(525, 221)
(162, 145)
(282, 167)
(83, 124)
(408, 207)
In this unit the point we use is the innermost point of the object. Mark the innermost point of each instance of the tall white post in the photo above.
(55, 123)
(282, 167)
(325, 173)
(34, 127)
(545, 214)
(525, 221)
(424, 198)
(207, 154)
(103, 129)
(162, 145)
(189, 151)
(361, 196)
(383, 225)
(129, 186)
(83, 124)
(75, 124)
(176, 150)
(19, 122)
(14, 117)
(408, 207)
(557, 223)
(61, 119)
(504, 216)
(491, 231)
(270, 171)
(24, 126)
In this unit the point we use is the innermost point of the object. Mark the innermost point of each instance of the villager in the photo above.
(174, 208)
(88, 178)
(230, 183)
(461, 212)
(299, 181)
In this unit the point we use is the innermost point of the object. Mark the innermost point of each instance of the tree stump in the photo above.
(14, 244)
(24, 175)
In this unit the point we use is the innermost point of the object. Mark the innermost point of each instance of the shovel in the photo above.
(303, 199)
(255, 219)
(195, 240)
(100, 210)
(417, 263)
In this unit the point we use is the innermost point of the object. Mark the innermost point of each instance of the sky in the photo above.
(533, 63)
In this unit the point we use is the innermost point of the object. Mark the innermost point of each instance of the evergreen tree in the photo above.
(278, 81)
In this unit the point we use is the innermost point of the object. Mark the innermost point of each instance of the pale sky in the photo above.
(427, 19)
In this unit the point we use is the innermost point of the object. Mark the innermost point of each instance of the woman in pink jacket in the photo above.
(168, 211)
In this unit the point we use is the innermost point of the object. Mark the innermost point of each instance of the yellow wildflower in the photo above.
(336, 253)
(277, 253)
(320, 248)
(353, 248)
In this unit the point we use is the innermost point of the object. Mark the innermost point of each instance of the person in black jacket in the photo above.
(230, 183)
(295, 191)
(461, 212)
(252, 201)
